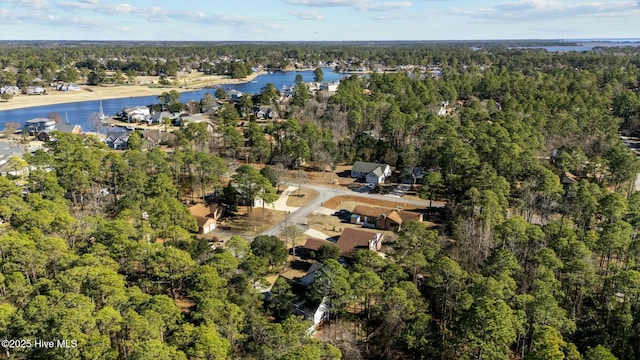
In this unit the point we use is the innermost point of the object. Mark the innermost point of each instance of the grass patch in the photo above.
(301, 198)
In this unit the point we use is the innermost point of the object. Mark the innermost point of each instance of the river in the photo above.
(79, 113)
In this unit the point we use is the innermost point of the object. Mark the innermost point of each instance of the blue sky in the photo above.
(317, 20)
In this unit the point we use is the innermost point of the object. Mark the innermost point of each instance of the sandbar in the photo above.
(94, 93)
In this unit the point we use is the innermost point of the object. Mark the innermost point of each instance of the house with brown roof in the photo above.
(312, 245)
(382, 218)
(351, 240)
(206, 217)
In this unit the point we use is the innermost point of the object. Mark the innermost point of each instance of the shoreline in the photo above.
(96, 93)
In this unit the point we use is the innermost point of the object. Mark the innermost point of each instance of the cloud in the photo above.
(325, 3)
(537, 9)
(31, 4)
(386, 6)
(367, 5)
(307, 15)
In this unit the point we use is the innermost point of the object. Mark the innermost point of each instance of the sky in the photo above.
(317, 20)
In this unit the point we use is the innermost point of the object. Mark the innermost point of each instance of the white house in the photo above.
(11, 90)
(373, 173)
(331, 86)
(68, 87)
(137, 114)
(35, 90)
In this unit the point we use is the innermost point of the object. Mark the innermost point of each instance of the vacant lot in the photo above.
(350, 201)
(255, 222)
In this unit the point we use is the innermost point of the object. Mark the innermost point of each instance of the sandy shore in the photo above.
(94, 93)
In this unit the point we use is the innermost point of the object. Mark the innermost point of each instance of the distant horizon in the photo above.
(587, 39)
(317, 20)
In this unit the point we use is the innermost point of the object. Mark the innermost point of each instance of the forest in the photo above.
(535, 257)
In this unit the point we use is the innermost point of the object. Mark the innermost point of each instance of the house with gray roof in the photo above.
(118, 140)
(372, 173)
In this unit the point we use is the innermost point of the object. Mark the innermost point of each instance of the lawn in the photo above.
(302, 197)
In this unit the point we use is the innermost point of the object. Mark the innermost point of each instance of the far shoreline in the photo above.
(96, 93)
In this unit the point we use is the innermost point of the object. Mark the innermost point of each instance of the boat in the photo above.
(103, 117)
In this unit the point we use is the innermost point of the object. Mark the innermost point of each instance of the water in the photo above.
(585, 45)
(79, 113)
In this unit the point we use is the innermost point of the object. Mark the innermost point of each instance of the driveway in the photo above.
(316, 234)
(281, 203)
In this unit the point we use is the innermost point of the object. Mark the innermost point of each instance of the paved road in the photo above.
(327, 192)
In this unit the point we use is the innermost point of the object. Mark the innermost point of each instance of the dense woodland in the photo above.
(523, 266)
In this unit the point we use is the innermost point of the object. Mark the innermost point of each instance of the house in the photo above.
(155, 137)
(68, 87)
(158, 117)
(320, 315)
(117, 140)
(195, 118)
(312, 245)
(45, 135)
(206, 217)
(35, 126)
(136, 114)
(373, 173)
(351, 240)
(35, 90)
(288, 91)
(69, 128)
(569, 179)
(265, 112)
(14, 166)
(381, 218)
(235, 95)
(10, 90)
(331, 86)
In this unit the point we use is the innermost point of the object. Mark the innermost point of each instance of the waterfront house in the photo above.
(35, 126)
(330, 86)
(136, 114)
(45, 135)
(68, 87)
(10, 90)
(35, 90)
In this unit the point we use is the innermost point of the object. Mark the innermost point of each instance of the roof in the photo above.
(67, 128)
(370, 211)
(204, 221)
(200, 210)
(314, 244)
(352, 240)
(311, 274)
(378, 171)
(40, 120)
(569, 178)
(410, 215)
(395, 217)
(366, 167)
(117, 134)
